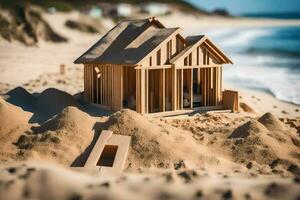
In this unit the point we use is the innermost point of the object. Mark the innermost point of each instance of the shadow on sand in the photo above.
(82, 158)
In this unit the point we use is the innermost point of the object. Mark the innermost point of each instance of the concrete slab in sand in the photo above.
(110, 152)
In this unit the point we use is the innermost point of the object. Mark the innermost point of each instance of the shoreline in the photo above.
(262, 102)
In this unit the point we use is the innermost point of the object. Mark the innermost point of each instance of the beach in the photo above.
(46, 128)
(31, 71)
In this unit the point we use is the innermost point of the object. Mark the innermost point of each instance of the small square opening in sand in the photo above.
(108, 155)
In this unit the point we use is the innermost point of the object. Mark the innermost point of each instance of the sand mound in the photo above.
(270, 122)
(14, 121)
(52, 101)
(249, 128)
(70, 118)
(246, 108)
(11, 117)
(253, 142)
(156, 144)
(62, 139)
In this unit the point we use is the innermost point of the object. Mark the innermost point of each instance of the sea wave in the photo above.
(266, 59)
(273, 51)
(279, 82)
(242, 37)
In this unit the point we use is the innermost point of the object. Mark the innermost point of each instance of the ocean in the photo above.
(266, 59)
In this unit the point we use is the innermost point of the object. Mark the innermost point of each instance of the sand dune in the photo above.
(36, 181)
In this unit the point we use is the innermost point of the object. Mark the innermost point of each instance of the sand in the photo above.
(39, 181)
(174, 157)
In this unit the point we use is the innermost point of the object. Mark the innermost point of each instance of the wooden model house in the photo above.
(144, 66)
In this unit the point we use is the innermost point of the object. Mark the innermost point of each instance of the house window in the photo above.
(169, 49)
(150, 61)
(158, 57)
(108, 155)
(185, 61)
(207, 57)
(190, 59)
(204, 56)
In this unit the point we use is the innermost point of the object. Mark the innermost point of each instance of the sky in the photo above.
(238, 7)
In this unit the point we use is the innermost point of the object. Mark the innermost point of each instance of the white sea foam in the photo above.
(259, 71)
(283, 84)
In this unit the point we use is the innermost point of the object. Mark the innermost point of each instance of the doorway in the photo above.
(197, 88)
(129, 87)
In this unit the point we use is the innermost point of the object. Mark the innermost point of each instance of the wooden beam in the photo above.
(154, 67)
(191, 88)
(221, 82)
(200, 66)
(138, 90)
(143, 88)
(163, 90)
(174, 88)
(146, 90)
(181, 88)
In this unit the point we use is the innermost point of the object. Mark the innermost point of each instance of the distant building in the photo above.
(155, 8)
(95, 12)
(123, 10)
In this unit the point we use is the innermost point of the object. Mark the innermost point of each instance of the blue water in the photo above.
(288, 15)
(265, 59)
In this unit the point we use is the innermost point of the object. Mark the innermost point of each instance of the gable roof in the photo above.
(127, 43)
(193, 42)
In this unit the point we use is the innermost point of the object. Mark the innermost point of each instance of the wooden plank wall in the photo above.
(107, 88)
(168, 50)
(210, 81)
(209, 75)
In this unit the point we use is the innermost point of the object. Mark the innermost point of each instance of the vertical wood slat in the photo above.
(208, 86)
(204, 86)
(174, 89)
(163, 90)
(191, 88)
(91, 82)
(215, 87)
(105, 85)
(221, 78)
(143, 91)
(146, 77)
(101, 84)
(181, 89)
(138, 89)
